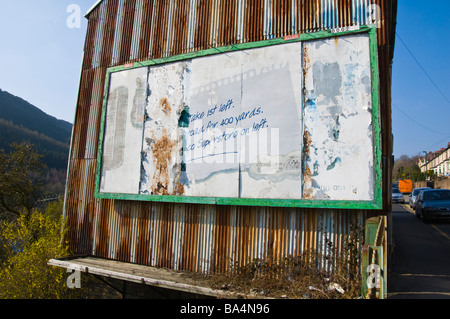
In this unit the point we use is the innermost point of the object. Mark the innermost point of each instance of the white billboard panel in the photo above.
(285, 123)
(121, 155)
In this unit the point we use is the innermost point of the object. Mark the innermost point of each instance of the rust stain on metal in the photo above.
(89, 47)
(127, 31)
(306, 142)
(103, 230)
(124, 244)
(307, 194)
(162, 156)
(307, 62)
(165, 106)
(143, 237)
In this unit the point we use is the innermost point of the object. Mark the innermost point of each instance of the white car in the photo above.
(397, 197)
(413, 196)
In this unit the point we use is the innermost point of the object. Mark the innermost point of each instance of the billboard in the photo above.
(284, 122)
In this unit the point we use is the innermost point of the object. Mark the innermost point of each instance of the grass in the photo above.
(312, 275)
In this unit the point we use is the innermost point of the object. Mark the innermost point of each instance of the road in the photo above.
(420, 263)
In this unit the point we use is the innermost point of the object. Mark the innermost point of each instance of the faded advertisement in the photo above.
(289, 121)
(121, 156)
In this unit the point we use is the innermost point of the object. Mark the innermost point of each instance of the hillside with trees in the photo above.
(26, 115)
(34, 151)
(22, 122)
(31, 232)
(406, 167)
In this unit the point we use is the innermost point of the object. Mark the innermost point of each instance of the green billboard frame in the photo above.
(375, 204)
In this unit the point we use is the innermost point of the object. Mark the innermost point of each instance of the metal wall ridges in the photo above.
(78, 148)
(214, 239)
(170, 27)
(95, 114)
(137, 26)
(118, 34)
(190, 25)
(99, 34)
(204, 238)
(128, 23)
(178, 26)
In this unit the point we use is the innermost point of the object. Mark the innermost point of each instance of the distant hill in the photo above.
(21, 121)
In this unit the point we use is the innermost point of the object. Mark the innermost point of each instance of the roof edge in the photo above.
(92, 8)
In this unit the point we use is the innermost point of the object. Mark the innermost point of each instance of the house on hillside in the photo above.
(438, 162)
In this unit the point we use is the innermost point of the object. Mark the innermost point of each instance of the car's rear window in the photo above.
(441, 195)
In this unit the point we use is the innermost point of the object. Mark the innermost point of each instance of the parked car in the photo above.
(433, 204)
(397, 196)
(413, 196)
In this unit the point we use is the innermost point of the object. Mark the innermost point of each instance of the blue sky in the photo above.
(421, 107)
(41, 56)
(41, 62)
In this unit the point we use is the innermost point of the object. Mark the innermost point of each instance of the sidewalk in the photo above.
(421, 255)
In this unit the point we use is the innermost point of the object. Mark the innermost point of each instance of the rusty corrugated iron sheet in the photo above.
(204, 238)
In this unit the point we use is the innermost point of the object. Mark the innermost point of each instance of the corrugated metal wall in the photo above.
(203, 238)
